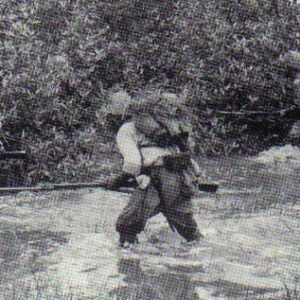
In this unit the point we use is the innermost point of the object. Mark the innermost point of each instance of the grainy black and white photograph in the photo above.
(149, 149)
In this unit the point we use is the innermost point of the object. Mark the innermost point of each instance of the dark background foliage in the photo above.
(60, 60)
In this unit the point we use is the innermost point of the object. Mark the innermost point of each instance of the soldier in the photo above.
(155, 145)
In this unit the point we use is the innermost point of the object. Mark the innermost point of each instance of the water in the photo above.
(64, 245)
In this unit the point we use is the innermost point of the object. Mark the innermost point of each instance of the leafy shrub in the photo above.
(60, 59)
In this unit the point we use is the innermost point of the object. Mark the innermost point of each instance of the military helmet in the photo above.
(119, 103)
(122, 104)
(169, 104)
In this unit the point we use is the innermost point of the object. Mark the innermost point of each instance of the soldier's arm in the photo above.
(132, 160)
(126, 142)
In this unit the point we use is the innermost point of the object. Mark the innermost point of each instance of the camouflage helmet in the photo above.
(157, 101)
(170, 103)
(122, 104)
(119, 103)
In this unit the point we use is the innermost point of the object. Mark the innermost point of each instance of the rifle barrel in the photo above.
(206, 187)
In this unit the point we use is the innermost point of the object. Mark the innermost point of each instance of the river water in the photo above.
(62, 245)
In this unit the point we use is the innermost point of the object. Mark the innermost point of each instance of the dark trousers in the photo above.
(168, 194)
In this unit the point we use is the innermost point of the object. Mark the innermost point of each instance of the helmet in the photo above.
(170, 104)
(118, 103)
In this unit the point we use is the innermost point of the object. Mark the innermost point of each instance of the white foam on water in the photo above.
(233, 250)
(279, 154)
(88, 265)
(206, 294)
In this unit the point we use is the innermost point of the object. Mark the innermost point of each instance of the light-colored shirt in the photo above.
(138, 151)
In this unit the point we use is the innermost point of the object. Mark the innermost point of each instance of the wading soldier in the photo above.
(155, 145)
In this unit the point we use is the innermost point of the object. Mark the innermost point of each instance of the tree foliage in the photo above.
(60, 60)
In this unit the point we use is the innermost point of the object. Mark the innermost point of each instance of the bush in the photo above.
(60, 60)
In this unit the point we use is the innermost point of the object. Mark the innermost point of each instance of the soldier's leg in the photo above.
(170, 185)
(142, 205)
(177, 206)
(180, 217)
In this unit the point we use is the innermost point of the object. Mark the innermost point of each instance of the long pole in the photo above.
(206, 187)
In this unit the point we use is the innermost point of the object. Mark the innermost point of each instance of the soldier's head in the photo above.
(119, 104)
(163, 103)
(170, 103)
(117, 109)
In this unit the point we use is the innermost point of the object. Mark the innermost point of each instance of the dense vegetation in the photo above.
(60, 61)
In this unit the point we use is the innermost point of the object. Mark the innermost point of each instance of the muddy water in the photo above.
(64, 246)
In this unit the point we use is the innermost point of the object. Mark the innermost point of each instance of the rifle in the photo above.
(204, 187)
(124, 186)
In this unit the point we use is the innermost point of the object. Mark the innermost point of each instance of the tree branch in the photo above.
(250, 112)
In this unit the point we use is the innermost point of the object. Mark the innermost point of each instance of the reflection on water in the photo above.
(151, 284)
